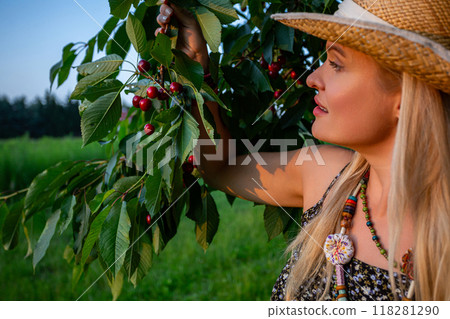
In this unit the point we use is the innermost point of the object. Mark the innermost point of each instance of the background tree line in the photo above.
(45, 116)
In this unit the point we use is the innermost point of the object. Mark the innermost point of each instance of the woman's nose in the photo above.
(313, 80)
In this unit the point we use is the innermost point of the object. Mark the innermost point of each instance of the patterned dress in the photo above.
(364, 282)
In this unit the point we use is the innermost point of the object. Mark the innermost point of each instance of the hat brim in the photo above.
(395, 48)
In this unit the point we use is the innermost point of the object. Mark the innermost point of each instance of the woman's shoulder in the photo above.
(318, 179)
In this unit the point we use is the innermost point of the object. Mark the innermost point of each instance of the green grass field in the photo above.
(21, 159)
(240, 264)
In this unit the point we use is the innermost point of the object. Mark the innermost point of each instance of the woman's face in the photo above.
(359, 112)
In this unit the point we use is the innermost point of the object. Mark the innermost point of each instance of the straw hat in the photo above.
(405, 35)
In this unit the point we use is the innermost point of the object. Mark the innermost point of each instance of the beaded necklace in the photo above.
(339, 248)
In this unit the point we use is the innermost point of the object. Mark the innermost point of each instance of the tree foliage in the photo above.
(105, 203)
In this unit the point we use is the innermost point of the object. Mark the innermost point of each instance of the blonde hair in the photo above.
(420, 186)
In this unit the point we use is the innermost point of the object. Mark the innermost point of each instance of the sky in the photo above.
(32, 36)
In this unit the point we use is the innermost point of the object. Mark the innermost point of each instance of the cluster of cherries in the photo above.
(274, 70)
(152, 93)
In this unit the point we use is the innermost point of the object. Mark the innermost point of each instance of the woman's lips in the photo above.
(319, 105)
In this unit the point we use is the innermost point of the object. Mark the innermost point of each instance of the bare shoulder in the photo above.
(318, 174)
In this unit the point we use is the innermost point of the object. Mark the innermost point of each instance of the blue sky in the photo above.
(32, 36)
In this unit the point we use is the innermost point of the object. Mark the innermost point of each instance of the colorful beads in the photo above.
(407, 266)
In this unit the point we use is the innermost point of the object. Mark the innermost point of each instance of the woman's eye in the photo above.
(334, 65)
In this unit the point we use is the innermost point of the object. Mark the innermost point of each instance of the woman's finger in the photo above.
(162, 20)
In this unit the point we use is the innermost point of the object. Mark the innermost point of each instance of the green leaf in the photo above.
(138, 260)
(54, 70)
(153, 190)
(65, 68)
(90, 50)
(114, 237)
(10, 229)
(105, 33)
(211, 27)
(209, 128)
(66, 213)
(109, 63)
(120, 8)
(120, 187)
(223, 9)
(94, 232)
(208, 90)
(100, 117)
(80, 227)
(107, 86)
(259, 80)
(145, 262)
(161, 51)
(190, 69)
(96, 203)
(109, 169)
(185, 139)
(241, 44)
(116, 284)
(167, 171)
(284, 37)
(206, 228)
(45, 238)
(168, 116)
(91, 79)
(42, 190)
(136, 33)
(4, 211)
(275, 220)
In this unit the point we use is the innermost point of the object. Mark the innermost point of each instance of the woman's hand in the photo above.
(190, 38)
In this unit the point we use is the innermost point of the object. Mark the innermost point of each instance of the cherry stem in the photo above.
(134, 66)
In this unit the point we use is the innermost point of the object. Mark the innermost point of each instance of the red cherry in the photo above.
(299, 82)
(191, 159)
(149, 129)
(277, 94)
(273, 74)
(162, 95)
(272, 108)
(275, 67)
(294, 75)
(282, 59)
(145, 104)
(263, 62)
(149, 219)
(244, 8)
(136, 100)
(176, 87)
(152, 92)
(187, 167)
(144, 66)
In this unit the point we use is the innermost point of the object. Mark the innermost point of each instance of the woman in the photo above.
(383, 93)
